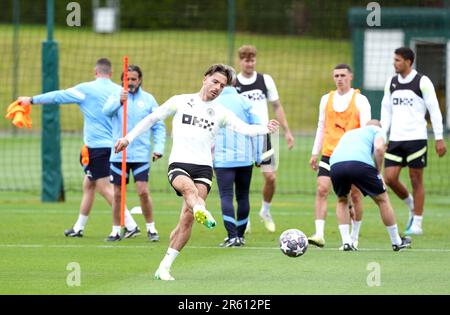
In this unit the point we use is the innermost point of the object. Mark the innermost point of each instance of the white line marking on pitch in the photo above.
(437, 250)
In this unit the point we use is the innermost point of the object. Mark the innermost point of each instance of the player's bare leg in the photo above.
(147, 209)
(416, 176)
(87, 201)
(182, 232)
(323, 189)
(268, 193)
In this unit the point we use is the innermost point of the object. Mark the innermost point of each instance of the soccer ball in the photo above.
(293, 243)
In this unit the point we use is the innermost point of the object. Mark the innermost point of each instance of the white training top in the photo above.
(194, 127)
(340, 104)
(260, 103)
(403, 111)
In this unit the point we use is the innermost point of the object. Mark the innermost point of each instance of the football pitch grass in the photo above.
(35, 255)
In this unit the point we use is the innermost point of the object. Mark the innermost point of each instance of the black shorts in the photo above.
(324, 166)
(98, 166)
(362, 175)
(406, 153)
(140, 172)
(200, 174)
(267, 145)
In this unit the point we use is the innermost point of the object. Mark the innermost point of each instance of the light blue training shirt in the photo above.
(139, 105)
(233, 149)
(357, 145)
(91, 96)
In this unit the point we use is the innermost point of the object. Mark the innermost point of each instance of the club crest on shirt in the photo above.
(140, 104)
(210, 112)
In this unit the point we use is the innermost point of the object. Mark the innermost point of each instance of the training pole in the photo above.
(123, 182)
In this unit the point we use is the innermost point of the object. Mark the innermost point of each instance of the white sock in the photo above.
(417, 221)
(320, 228)
(130, 224)
(151, 227)
(409, 201)
(265, 207)
(168, 260)
(198, 207)
(81, 223)
(345, 233)
(356, 225)
(115, 230)
(393, 234)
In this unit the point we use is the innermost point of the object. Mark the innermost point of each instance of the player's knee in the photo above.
(143, 193)
(271, 178)
(322, 191)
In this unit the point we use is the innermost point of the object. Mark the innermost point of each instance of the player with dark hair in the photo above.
(407, 97)
(196, 120)
(97, 135)
(139, 105)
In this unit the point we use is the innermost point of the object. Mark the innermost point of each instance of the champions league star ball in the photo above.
(293, 243)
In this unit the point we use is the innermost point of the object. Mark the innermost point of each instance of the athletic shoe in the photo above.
(113, 238)
(354, 244)
(410, 219)
(230, 242)
(203, 216)
(317, 241)
(349, 248)
(153, 237)
(406, 242)
(132, 233)
(414, 230)
(268, 221)
(72, 233)
(163, 274)
(242, 240)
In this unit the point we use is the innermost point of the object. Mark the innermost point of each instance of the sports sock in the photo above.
(265, 208)
(198, 207)
(409, 201)
(320, 228)
(81, 223)
(344, 229)
(130, 224)
(151, 227)
(168, 260)
(417, 221)
(356, 225)
(393, 234)
(115, 230)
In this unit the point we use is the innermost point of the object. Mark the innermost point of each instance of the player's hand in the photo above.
(24, 100)
(289, 139)
(123, 96)
(156, 156)
(120, 145)
(441, 148)
(313, 162)
(273, 125)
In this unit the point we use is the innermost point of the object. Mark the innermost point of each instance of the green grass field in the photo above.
(35, 253)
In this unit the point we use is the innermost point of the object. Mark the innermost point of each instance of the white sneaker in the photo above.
(414, 230)
(163, 274)
(268, 221)
(354, 245)
(136, 210)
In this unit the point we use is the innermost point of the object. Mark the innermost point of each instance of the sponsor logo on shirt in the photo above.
(197, 121)
(403, 101)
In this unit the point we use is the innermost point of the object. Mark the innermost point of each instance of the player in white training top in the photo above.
(196, 120)
(407, 97)
(260, 89)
